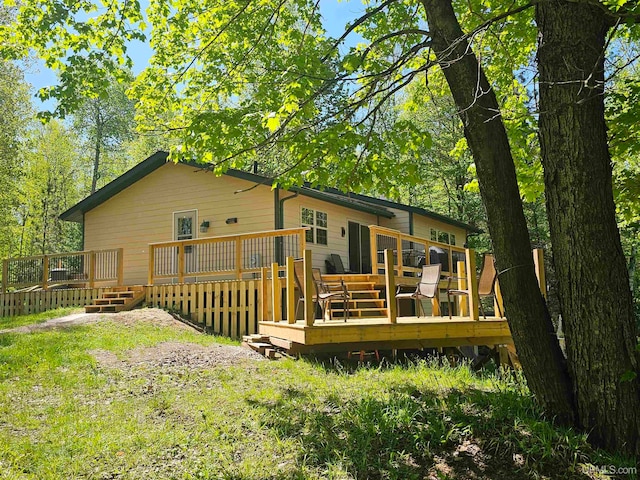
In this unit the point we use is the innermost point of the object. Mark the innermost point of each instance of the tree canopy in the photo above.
(234, 79)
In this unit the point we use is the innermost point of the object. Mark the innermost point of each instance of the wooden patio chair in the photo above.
(427, 288)
(322, 293)
(334, 262)
(486, 284)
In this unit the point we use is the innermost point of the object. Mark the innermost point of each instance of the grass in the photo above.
(62, 415)
(21, 320)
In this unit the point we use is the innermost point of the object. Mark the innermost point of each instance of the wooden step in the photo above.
(109, 301)
(104, 308)
(125, 294)
(338, 313)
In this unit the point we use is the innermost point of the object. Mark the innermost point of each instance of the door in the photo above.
(359, 248)
(184, 228)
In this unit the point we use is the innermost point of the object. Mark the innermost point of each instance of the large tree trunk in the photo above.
(595, 299)
(542, 360)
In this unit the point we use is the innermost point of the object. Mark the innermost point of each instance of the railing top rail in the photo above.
(405, 236)
(59, 255)
(241, 236)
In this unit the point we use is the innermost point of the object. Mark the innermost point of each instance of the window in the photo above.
(443, 237)
(318, 223)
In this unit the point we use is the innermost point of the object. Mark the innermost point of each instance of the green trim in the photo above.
(363, 203)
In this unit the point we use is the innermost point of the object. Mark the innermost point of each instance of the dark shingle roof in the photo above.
(362, 203)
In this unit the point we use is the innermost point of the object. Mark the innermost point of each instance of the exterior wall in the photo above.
(422, 226)
(337, 219)
(400, 222)
(143, 213)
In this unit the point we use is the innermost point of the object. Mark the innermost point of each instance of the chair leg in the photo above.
(300, 300)
(449, 305)
(481, 308)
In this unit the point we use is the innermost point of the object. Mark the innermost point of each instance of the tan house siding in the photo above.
(337, 219)
(143, 213)
(400, 222)
(422, 226)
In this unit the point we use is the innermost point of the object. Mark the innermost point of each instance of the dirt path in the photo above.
(166, 354)
(149, 315)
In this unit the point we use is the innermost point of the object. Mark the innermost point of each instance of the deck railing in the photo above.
(229, 255)
(416, 252)
(78, 269)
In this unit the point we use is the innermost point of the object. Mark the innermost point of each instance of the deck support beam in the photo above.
(474, 299)
(276, 290)
(538, 263)
(309, 304)
(390, 282)
(291, 292)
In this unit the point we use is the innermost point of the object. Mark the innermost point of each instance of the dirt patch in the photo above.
(177, 354)
(153, 316)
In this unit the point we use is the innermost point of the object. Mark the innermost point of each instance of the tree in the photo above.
(255, 74)
(106, 124)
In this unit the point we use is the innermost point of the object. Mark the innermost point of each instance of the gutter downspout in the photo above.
(279, 223)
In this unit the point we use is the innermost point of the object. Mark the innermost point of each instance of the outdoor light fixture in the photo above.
(231, 220)
(204, 226)
(344, 232)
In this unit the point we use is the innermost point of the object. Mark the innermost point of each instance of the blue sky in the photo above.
(336, 14)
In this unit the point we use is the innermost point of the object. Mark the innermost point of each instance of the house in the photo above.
(160, 201)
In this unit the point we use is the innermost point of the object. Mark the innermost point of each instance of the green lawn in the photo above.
(63, 415)
(21, 320)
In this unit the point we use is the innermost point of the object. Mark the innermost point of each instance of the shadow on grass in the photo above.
(405, 433)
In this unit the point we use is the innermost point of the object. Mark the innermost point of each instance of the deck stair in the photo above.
(117, 299)
(365, 301)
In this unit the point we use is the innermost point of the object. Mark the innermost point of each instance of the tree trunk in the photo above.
(531, 327)
(97, 148)
(595, 299)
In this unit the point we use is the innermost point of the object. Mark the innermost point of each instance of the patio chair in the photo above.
(334, 264)
(322, 293)
(427, 288)
(486, 284)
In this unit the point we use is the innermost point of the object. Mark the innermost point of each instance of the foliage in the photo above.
(65, 415)
(105, 124)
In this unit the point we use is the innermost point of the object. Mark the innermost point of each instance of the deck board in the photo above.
(423, 331)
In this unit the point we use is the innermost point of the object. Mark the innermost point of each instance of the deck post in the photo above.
(390, 282)
(152, 261)
(399, 250)
(276, 292)
(309, 304)
(238, 258)
(120, 257)
(538, 262)
(92, 268)
(474, 299)
(374, 250)
(181, 263)
(5, 276)
(45, 272)
(498, 304)
(291, 292)
(264, 294)
(463, 302)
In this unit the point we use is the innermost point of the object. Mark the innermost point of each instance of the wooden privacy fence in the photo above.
(229, 308)
(73, 268)
(229, 255)
(415, 252)
(24, 303)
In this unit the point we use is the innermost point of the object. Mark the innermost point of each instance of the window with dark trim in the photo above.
(318, 223)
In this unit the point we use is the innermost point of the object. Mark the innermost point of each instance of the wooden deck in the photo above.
(379, 333)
